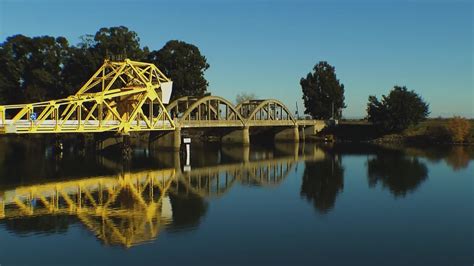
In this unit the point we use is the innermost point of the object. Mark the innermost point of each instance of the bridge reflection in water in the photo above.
(131, 208)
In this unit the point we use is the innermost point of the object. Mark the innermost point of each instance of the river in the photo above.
(283, 204)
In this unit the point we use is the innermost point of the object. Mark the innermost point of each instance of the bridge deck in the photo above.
(71, 126)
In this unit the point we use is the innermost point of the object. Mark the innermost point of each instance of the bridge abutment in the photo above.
(311, 130)
(237, 136)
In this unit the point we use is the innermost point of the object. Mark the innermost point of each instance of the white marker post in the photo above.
(187, 142)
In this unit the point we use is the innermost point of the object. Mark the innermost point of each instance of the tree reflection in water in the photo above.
(51, 224)
(322, 182)
(397, 172)
(188, 210)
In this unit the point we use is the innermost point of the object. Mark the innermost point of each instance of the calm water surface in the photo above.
(286, 204)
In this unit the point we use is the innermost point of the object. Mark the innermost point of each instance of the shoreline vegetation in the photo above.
(431, 131)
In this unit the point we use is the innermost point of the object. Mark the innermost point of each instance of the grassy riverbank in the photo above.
(362, 131)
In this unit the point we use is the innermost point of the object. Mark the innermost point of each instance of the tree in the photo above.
(118, 43)
(183, 63)
(243, 97)
(32, 68)
(114, 43)
(322, 92)
(397, 111)
(45, 68)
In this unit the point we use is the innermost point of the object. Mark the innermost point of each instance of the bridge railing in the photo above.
(64, 115)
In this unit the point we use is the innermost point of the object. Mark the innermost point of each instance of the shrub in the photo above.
(458, 129)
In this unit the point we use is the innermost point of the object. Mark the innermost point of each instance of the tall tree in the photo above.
(184, 64)
(43, 68)
(397, 111)
(31, 68)
(114, 43)
(322, 92)
(119, 43)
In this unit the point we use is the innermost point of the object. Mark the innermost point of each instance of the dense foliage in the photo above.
(44, 68)
(397, 111)
(452, 130)
(184, 64)
(322, 92)
(31, 68)
(458, 129)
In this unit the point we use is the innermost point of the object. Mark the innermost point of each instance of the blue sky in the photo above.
(265, 47)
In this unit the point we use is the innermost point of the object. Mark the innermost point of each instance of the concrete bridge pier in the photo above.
(170, 140)
(302, 133)
(237, 136)
(289, 134)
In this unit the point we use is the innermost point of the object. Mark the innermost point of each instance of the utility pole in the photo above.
(297, 114)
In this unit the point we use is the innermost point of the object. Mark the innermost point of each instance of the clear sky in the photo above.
(265, 47)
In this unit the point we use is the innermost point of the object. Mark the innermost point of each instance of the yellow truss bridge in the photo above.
(121, 97)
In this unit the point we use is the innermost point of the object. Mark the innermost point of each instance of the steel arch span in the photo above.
(207, 111)
(269, 110)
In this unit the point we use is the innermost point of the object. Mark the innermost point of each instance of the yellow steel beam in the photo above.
(129, 84)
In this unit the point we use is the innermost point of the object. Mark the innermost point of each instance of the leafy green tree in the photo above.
(114, 43)
(397, 111)
(118, 42)
(13, 57)
(31, 68)
(322, 92)
(43, 68)
(184, 64)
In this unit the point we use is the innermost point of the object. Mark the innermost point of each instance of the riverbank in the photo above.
(427, 132)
